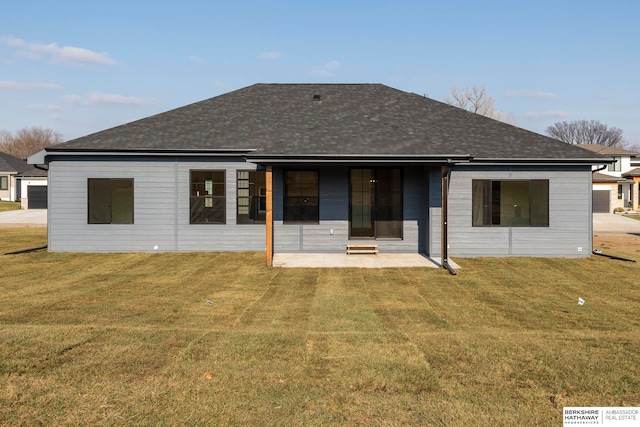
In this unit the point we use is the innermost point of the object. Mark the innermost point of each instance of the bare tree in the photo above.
(28, 141)
(477, 101)
(586, 132)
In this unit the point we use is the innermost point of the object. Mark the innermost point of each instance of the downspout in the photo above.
(444, 191)
(599, 169)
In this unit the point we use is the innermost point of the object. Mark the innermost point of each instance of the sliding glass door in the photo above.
(375, 203)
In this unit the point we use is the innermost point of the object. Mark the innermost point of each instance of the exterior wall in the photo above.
(332, 232)
(161, 212)
(629, 189)
(570, 219)
(9, 195)
(614, 201)
(24, 184)
(161, 208)
(625, 166)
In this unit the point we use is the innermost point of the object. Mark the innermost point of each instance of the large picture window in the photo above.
(252, 197)
(301, 202)
(510, 203)
(110, 201)
(207, 200)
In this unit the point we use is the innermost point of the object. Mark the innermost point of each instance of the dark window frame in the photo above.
(216, 203)
(290, 202)
(97, 214)
(487, 208)
(255, 202)
(4, 179)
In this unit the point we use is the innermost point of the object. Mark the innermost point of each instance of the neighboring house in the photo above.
(315, 168)
(21, 182)
(614, 184)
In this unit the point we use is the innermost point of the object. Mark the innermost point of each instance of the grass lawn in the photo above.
(119, 339)
(9, 206)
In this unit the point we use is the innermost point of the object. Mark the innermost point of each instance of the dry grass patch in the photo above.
(626, 245)
(113, 339)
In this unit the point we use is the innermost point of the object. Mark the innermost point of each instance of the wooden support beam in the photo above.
(269, 216)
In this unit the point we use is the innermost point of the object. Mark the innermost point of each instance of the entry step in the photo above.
(362, 249)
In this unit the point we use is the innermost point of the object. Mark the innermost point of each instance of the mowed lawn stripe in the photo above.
(218, 338)
(341, 303)
(398, 301)
(284, 304)
(350, 349)
(539, 294)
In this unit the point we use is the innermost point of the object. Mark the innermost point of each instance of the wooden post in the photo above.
(269, 216)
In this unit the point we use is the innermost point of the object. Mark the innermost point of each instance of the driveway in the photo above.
(23, 218)
(606, 224)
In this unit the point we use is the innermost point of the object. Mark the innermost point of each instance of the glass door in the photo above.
(362, 203)
(376, 203)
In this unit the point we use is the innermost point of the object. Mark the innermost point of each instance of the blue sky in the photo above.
(83, 66)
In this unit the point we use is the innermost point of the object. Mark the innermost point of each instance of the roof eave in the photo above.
(230, 152)
(544, 161)
(359, 158)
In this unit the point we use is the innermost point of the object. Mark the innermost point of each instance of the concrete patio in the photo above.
(339, 260)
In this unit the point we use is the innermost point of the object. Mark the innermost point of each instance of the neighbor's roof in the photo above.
(602, 177)
(345, 120)
(606, 150)
(632, 172)
(15, 166)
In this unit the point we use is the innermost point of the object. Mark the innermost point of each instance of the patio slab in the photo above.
(340, 260)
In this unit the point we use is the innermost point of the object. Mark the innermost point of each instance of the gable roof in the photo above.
(284, 120)
(15, 166)
(606, 150)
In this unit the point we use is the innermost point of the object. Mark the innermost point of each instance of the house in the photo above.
(21, 182)
(287, 168)
(614, 184)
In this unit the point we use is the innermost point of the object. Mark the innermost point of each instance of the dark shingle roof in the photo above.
(349, 119)
(14, 165)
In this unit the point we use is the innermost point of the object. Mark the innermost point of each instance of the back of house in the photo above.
(319, 168)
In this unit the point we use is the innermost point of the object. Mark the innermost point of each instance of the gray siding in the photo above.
(161, 212)
(332, 233)
(161, 209)
(434, 214)
(569, 231)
